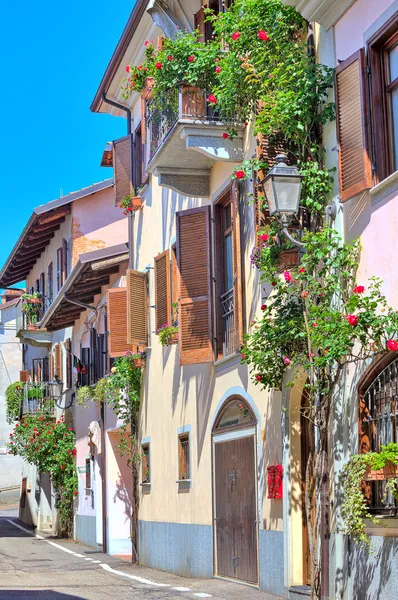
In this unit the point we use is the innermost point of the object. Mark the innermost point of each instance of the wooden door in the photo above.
(235, 509)
(304, 459)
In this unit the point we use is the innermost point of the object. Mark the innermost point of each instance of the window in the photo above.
(235, 413)
(146, 463)
(88, 474)
(84, 375)
(141, 176)
(184, 466)
(42, 285)
(37, 285)
(174, 286)
(50, 284)
(62, 264)
(378, 425)
(40, 369)
(383, 62)
(205, 27)
(228, 281)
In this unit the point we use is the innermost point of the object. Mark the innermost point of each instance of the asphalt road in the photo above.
(53, 569)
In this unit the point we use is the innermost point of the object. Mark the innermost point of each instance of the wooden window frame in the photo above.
(88, 475)
(184, 459)
(381, 112)
(59, 268)
(50, 283)
(141, 176)
(145, 467)
(218, 249)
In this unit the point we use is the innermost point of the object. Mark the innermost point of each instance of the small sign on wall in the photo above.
(275, 482)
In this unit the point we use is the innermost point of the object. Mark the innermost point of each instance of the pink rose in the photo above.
(218, 69)
(287, 276)
(287, 360)
(235, 35)
(352, 320)
(263, 35)
(259, 377)
(264, 237)
(191, 58)
(212, 99)
(302, 270)
(225, 136)
(158, 65)
(392, 345)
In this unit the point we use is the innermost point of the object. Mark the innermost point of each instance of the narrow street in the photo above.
(34, 567)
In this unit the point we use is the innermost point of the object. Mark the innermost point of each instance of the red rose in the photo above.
(240, 174)
(170, 57)
(63, 467)
(158, 65)
(359, 289)
(259, 377)
(139, 67)
(302, 270)
(315, 324)
(243, 356)
(31, 439)
(273, 283)
(392, 345)
(128, 69)
(225, 136)
(287, 276)
(75, 493)
(264, 237)
(263, 306)
(69, 451)
(11, 443)
(74, 452)
(235, 35)
(49, 432)
(10, 434)
(191, 58)
(58, 422)
(218, 69)
(263, 35)
(25, 424)
(146, 43)
(352, 319)
(212, 99)
(16, 424)
(40, 418)
(70, 428)
(304, 294)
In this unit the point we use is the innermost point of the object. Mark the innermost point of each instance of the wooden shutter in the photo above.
(199, 23)
(59, 269)
(195, 315)
(58, 362)
(50, 283)
(355, 170)
(117, 322)
(122, 167)
(237, 266)
(137, 309)
(68, 347)
(162, 289)
(24, 376)
(64, 261)
(51, 374)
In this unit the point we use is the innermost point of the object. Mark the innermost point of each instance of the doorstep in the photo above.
(299, 592)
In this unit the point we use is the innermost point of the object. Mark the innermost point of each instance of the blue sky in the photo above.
(53, 55)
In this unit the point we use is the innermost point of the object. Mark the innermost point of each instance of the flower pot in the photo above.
(289, 258)
(34, 301)
(32, 327)
(173, 339)
(138, 363)
(389, 471)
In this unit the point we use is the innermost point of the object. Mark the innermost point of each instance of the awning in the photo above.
(91, 272)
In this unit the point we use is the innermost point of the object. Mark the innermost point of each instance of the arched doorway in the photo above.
(235, 492)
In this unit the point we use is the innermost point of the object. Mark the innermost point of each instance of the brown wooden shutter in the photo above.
(355, 170)
(237, 266)
(174, 276)
(58, 362)
(199, 23)
(117, 322)
(137, 309)
(122, 167)
(162, 289)
(64, 266)
(68, 378)
(24, 376)
(51, 368)
(195, 314)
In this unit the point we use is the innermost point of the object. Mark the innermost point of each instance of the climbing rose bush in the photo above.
(50, 446)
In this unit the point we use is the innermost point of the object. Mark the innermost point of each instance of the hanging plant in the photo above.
(131, 203)
(31, 307)
(367, 466)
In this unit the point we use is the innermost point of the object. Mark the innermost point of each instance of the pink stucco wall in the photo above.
(97, 223)
(351, 27)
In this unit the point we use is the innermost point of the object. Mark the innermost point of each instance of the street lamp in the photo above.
(282, 188)
(56, 388)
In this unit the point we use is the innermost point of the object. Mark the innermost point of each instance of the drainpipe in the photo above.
(132, 175)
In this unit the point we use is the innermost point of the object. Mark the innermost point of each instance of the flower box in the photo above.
(33, 301)
(289, 258)
(138, 363)
(389, 471)
(173, 338)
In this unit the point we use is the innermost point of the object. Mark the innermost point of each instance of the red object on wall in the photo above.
(275, 480)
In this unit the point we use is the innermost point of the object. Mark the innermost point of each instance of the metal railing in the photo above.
(183, 103)
(38, 397)
(227, 319)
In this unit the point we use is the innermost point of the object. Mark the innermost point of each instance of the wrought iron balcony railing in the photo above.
(185, 103)
(39, 397)
(227, 318)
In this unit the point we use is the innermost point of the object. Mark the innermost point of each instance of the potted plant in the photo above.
(168, 334)
(138, 360)
(388, 471)
(131, 203)
(31, 307)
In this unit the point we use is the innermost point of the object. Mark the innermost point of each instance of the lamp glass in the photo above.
(286, 191)
(269, 194)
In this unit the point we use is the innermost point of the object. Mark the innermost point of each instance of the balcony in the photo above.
(38, 397)
(31, 334)
(185, 140)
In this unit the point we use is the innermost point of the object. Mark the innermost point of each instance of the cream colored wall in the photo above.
(175, 396)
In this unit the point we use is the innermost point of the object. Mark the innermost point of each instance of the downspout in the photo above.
(132, 174)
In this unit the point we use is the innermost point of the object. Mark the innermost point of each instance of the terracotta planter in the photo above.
(32, 327)
(136, 203)
(173, 338)
(289, 258)
(138, 363)
(390, 471)
(34, 301)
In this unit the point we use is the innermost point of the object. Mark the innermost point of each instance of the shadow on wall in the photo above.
(374, 577)
(124, 484)
(272, 453)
